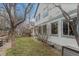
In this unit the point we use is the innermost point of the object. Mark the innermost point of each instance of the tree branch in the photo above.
(8, 9)
(73, 25)
(65, 14)
(27, 10)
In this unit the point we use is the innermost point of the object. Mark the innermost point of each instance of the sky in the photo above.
(20, 8)
(34, 9)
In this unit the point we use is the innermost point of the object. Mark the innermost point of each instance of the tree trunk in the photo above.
(76, 32)
(12, 38)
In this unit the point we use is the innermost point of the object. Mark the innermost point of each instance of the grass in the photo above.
(26, 46)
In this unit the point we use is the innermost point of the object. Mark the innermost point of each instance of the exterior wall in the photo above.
(52, 11)
(54, 15)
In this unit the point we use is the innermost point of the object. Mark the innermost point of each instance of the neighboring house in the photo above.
(52, 26)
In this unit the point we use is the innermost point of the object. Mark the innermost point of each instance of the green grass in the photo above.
(26, 46)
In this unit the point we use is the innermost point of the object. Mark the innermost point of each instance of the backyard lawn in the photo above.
(26, 46)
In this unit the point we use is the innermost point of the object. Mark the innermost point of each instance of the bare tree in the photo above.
(74, 24)
(23, 29)
(11, 10)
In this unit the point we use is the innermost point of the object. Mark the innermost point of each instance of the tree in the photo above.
(3, 23)
(23, 29)
(74, 24)
(13, 18)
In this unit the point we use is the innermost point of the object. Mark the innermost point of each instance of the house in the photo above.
(52, 27)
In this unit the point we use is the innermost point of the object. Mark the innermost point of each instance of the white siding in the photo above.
(54, 12)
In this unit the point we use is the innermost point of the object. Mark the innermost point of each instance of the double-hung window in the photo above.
(67, 29)
(39, 30)
(54, 28)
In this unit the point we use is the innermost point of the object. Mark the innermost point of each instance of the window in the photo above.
(70, 30)
(67, 30)
(54, 28)
(38, 17)
(45, 14)
(39, 30)
(44, 29)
